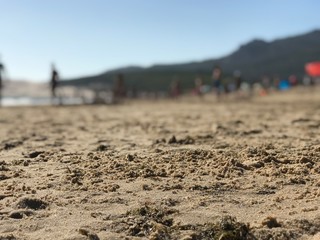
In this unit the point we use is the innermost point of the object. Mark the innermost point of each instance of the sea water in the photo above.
(40, 101)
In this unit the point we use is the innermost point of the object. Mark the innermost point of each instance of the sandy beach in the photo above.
(186, 169)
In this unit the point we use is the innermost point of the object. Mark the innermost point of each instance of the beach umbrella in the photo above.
(313, 69)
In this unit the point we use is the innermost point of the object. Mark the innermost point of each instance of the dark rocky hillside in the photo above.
(281, 58)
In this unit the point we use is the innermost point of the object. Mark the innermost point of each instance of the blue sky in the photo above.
(85, 37)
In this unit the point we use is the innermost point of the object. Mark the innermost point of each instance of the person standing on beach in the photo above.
(237, 80)
(1, 72)
(217, 80)
(175, 88)
(54, 81)
(119, 88)
(198, 85)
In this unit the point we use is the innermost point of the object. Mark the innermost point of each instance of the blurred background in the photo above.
(104, 51)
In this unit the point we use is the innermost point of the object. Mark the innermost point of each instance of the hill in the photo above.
(281, 58)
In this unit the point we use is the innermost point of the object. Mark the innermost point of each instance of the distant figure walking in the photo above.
(217, 80)
(1, 84)
(54, 81)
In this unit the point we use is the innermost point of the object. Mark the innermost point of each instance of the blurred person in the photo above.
(227, 85)
(306, 80)
(284, 85)
(240, 87)
(175, 88)
(266, 83)
(119, 88)
(276, 82)
(54, 81)
(217, 80)
(246, 89)
(237, 80)
(1, 77)
(198, 86)
(262, 87)
(293, 80)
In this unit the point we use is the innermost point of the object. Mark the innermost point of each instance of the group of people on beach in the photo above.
(223, 84)
(220, 85)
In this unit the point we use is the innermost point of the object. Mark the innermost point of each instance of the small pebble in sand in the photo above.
(89, 234)
(32, 203)
(271, 222)
(129, 157)
(172, 140)
(19, 214)
(146, 187)
(102, 147)
(35, 154)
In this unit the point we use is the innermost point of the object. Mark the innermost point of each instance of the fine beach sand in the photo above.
(185, 169)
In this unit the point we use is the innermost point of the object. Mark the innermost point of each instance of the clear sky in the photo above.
(85, 37)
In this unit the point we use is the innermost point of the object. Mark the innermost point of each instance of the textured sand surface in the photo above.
(163, 170)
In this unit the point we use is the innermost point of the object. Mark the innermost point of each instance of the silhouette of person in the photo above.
(54, 81)
(119, 88)
(217, 80)
(1, 72)
(237, 80)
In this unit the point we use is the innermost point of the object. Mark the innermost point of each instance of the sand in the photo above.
(186, 169)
